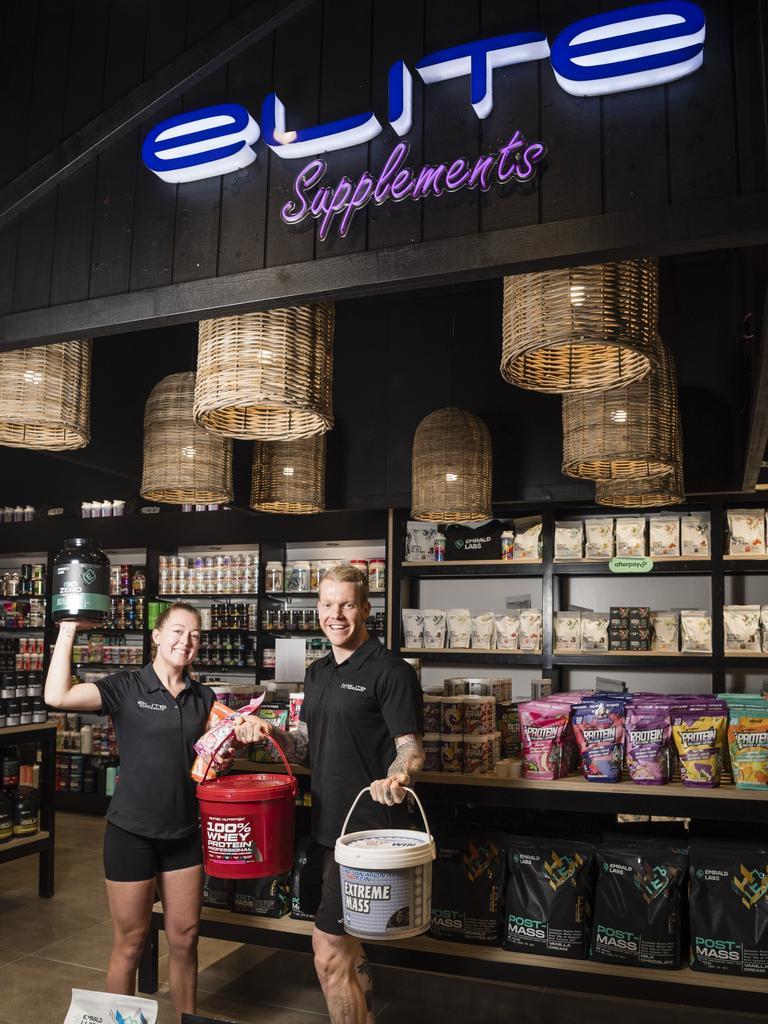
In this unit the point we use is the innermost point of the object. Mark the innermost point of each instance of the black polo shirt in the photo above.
(353, 712)
(155, 796)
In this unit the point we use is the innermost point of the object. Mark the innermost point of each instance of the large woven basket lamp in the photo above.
(45, 396)
(581, 329)
(182, 462)
(451, 468)
(624, 433)
(647, 492)
(266, 376)
(289, 476)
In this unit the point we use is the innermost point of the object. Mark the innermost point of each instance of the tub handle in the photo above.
(277, 747)
(368, 790)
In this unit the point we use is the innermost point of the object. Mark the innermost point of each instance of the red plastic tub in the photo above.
(248, 824)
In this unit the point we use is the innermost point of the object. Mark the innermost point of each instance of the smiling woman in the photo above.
(152, 839)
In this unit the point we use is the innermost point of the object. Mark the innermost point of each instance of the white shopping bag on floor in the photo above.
(105, 1008)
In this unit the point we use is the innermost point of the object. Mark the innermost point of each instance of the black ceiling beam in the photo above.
(697, 226)
(214, 51)
(758, 427)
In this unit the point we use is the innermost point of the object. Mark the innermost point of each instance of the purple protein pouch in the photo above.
(648, 731)
(599, 728)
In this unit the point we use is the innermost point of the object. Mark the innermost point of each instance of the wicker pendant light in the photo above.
(289, 476)
(451, 468)
(45, 396)
(266, 376)
(624, 433)
(581, 329)
(648, 492)
(182, 462)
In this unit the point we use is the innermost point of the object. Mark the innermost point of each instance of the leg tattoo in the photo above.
(365, 975)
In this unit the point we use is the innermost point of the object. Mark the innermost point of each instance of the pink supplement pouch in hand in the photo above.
(212, 748)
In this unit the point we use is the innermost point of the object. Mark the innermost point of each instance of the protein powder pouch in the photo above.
(218, 892)
(263, 897)
(6, 818)
(549, 896)
(637, 917)
(728, 906)
(467, 888)
(306, 881)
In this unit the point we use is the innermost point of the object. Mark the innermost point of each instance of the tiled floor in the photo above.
(48, 947)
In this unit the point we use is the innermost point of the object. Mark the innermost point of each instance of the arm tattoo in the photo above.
(409, 757)
(295, 744)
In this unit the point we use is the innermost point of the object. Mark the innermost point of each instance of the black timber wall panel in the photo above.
(115, 227)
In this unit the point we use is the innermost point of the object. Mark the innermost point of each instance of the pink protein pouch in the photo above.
(542, 725)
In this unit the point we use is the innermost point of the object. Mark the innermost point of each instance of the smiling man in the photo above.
(361, 725)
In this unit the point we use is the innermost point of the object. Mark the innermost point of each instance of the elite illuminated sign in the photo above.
(632, 48)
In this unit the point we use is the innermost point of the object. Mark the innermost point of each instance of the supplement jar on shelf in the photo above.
(81, 582)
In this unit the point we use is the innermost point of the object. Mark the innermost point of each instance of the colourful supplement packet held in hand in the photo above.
(542, 725)
(599, 729)
(648, 730)
(699, 732)
(212, 747)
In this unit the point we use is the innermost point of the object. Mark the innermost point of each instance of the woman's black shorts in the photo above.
(132, 858)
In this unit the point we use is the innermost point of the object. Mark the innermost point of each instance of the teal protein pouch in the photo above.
(549, 896)
(638, 903)
(729, 908)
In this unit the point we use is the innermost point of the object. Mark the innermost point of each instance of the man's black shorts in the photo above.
(321, 889)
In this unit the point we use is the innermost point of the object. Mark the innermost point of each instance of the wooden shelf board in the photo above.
(202, 597)
(473, 561)
(15, 844)
(468, 650)
(656, 559)
(745, 558)
(243, 764)
(746, 654)
(571, 783)
(22, 729)
(578, 784)
(495, 954)
(588, 655)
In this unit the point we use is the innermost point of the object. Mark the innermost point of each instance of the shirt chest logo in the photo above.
(151, 707)
(354, 687)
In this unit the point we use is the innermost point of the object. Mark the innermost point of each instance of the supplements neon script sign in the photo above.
(650, 44)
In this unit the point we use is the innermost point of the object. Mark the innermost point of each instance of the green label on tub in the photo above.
(630, 564)
(80, 602)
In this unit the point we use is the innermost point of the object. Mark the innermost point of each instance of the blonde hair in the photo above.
(345, 573)
(178, 606)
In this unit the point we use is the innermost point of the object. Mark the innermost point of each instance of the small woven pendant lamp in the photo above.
(182, 462)
(451, 468)
(45, 396)
(582, 329)
(647, 492)
(624, 433)
(266, 376)
(289, 476)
